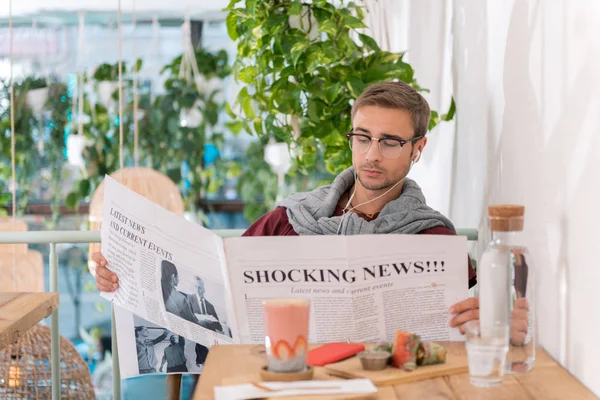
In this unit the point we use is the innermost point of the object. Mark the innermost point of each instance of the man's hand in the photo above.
(468, 310)
(519, 324)
(464, 311)
(106, 281)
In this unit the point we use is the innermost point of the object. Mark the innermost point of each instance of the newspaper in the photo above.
(179, 277)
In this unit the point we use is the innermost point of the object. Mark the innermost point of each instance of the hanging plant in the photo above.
(27, 157)
(175, 140)
(303, 65)
(166, 142)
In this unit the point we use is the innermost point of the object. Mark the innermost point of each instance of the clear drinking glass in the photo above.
(286, 334)
(486, 353)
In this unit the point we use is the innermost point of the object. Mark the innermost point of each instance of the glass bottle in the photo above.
(506, 285)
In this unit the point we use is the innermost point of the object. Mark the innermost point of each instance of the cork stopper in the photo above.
(506, 217)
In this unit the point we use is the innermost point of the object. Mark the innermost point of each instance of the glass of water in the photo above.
(487, 347)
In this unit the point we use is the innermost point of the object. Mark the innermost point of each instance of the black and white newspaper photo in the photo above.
(194, 299)
(157, 350)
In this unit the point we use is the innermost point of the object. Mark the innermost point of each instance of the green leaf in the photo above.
(257, 31)
(369, 42)
(333, 92)
(234, 170)
(258, 127)
(232, 26)
(247, 107)
(451, 111)
(355, 85)
(138, 65)
(434, 120)
(247, 74)
(84, 187)
(329, 27)
(235, 126)
(231, 5)
(353, 22)
(242, 95)
(295, 8)
(297, 50)
(174, 174)
(229, 111)
(250, 6)
(360, 13)
(72, 200)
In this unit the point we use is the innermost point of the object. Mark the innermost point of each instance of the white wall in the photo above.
(527, 85)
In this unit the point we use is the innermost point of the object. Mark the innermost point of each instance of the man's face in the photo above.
(173, 340)
(375, 171)
(143, 333)
(200, 287)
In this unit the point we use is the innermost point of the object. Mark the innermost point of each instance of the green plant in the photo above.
(172, 141)
(166, 142)
(303, 64)
(101, 156)
(30, 131)
(54, 156)
(33, 82)
(108, 72)
(257, 183)
(26, 154)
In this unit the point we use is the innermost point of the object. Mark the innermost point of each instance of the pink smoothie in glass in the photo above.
(286, 333)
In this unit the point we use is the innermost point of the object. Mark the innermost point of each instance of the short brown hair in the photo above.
(397, 95)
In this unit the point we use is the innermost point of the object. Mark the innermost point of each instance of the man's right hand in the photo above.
(106, 281)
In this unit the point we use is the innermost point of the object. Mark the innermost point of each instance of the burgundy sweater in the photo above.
(276, 223)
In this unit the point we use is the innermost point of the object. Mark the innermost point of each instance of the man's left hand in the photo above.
(464, 311)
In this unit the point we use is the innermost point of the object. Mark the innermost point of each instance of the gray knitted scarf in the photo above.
(310, 213)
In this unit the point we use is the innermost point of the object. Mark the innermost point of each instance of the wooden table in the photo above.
(237, 364)
(20, 311)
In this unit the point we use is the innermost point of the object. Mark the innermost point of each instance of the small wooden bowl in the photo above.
(270, 376)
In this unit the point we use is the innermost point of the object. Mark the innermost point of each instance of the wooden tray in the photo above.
(456, 363)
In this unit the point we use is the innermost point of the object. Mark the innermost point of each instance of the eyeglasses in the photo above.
(390, 147)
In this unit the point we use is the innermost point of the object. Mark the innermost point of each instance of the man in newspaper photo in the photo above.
(201, 353)
(203, 309)
(147, 361)
(174, 356)
(374, 196)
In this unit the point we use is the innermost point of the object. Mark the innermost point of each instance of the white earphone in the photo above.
(418, 156)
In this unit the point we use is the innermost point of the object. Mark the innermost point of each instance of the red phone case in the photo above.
(332, 352)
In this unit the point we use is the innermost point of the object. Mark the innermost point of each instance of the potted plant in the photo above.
(106, 78)
(37, 94)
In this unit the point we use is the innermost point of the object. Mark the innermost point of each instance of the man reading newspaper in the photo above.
(374, 196)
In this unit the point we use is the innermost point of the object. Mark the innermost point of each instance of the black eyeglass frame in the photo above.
(402, 142)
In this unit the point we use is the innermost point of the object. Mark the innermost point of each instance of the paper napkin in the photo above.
(284, 389)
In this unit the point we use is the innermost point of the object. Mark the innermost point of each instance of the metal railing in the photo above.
(52, 238)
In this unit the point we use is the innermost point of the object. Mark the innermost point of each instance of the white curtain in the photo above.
(524, 74)
(528, 132)
(421, 28)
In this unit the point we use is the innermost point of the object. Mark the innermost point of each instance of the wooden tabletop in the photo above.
(21, 311)
(238, 364)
